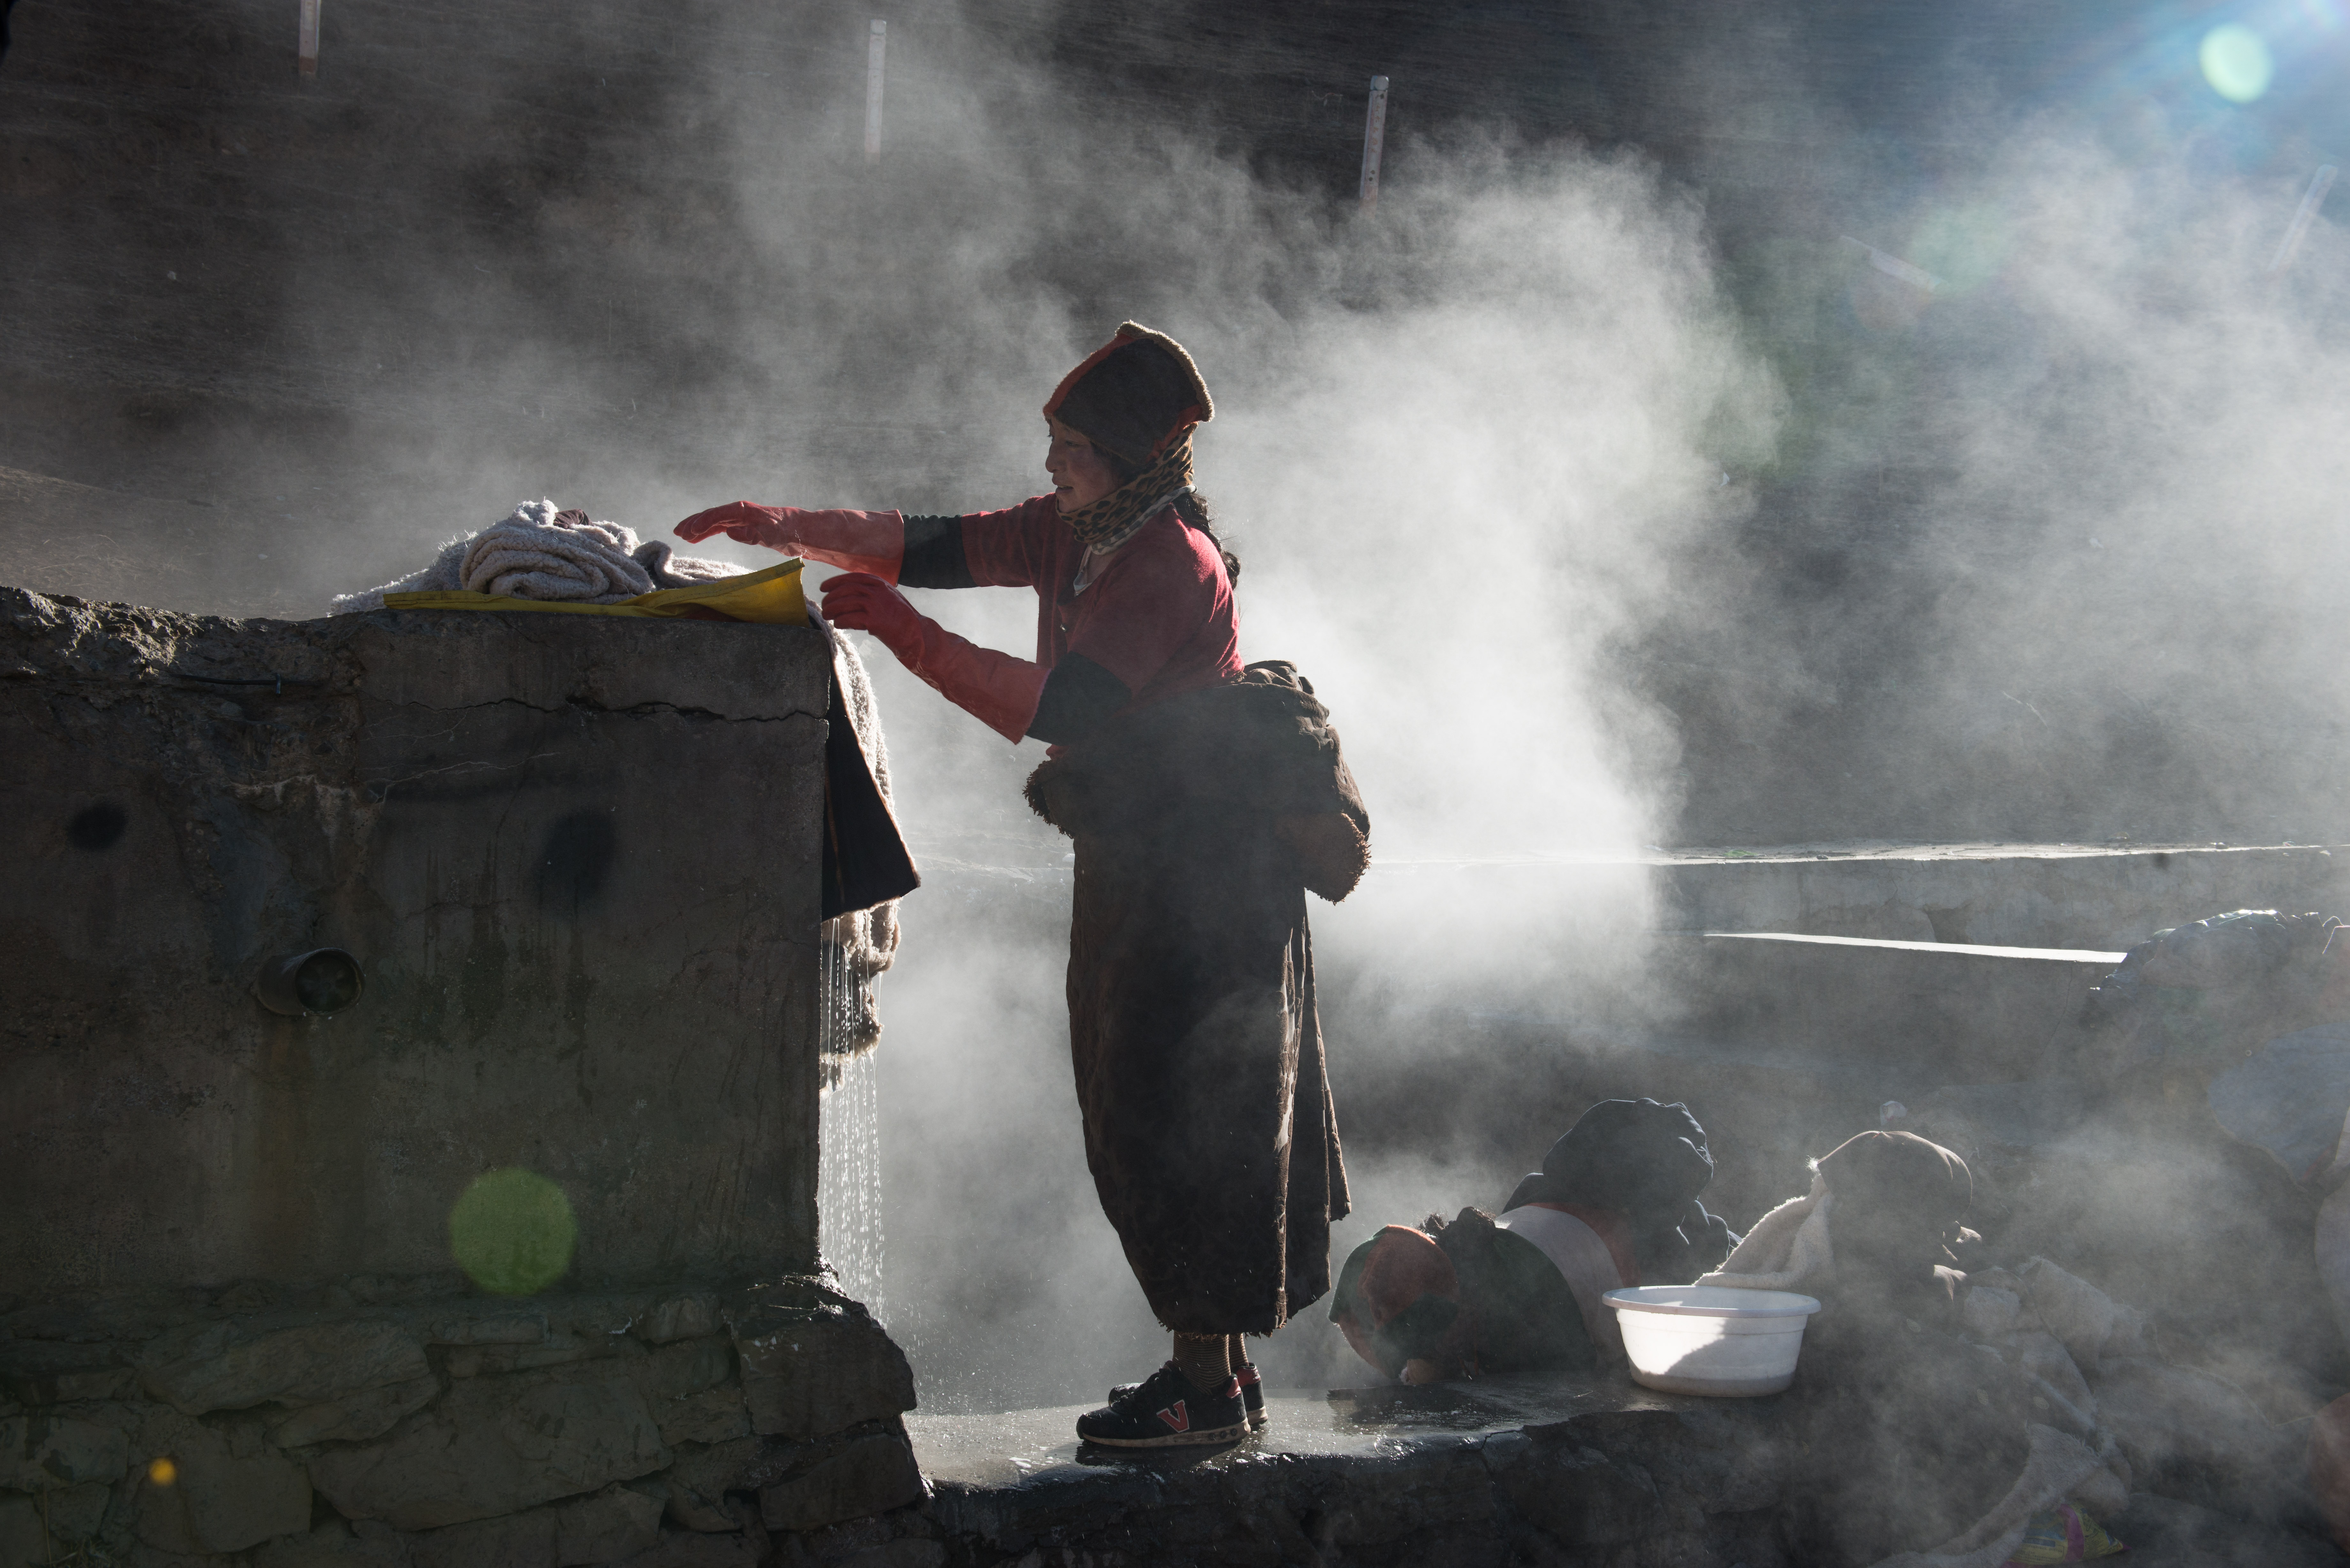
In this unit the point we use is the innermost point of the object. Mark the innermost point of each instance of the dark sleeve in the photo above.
(1078, 694)
(934, 555)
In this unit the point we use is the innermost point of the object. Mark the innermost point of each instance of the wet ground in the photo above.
(1012, 1448)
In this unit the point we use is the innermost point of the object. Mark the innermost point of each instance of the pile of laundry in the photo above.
(541, 551)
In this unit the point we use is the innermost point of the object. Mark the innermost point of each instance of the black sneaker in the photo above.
(1251, 1392)
(1166, 1411)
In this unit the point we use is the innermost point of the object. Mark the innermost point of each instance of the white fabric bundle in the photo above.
(541, 552)
(1785, 1248)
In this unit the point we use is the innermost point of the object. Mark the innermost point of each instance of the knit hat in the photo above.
(1134, 397)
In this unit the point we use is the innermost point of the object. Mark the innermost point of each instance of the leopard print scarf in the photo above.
(1106, 524)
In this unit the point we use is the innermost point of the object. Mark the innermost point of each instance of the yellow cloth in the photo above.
(773, 597)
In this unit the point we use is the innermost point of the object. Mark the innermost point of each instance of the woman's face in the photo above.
(1081, 472)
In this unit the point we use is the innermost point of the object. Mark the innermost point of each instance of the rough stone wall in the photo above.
(679, 1428)
(578, 858)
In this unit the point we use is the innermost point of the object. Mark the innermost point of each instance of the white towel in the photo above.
(1785, 1248)
(539, 551)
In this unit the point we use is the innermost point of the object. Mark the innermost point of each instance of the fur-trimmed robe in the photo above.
(1200, 824)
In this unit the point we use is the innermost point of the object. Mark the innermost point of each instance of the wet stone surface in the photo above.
(1498, 1472)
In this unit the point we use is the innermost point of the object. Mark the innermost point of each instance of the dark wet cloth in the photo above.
(1648, 1162)
(1201, 1073)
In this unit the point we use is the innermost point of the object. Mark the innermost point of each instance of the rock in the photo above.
(810, 1372)
(37, 1453)
(22, 1542)
(336, 1544)
(516, 1541)
(864, 1476)
(504, 1328)
(75, 1514)
(355, 1417)
(678, 1317)
(498, 1445)
(690, 1366)
(908, 1554)
(218, 1366)
(559, 1349)
(52, 1372)
(713, 1415)
(699, 1482)
(232, 1490)
(617, 1522)
(690, 1549)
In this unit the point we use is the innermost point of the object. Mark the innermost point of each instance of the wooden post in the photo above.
(2303, 215)
(1375, 135)
(306, 52)
(876, 51)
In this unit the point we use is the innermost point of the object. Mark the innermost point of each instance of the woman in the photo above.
(1204, 799)
(1615, 1204)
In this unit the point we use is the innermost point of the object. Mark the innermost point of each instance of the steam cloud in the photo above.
(1514, 471)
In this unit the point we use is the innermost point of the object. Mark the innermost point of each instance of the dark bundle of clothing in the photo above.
(1200, 823)
(1647, 1162)
(1613, 1205)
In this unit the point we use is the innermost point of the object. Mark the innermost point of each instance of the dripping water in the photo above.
(848, 1136)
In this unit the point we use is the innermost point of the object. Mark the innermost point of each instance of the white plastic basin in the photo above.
(1710, 1339)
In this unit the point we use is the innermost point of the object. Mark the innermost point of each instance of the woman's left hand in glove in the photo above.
(863, 602)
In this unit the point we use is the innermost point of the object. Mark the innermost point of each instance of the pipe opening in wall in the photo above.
(322, 981)
(97, 828)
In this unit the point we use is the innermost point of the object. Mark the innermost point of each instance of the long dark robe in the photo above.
(1209, 1128)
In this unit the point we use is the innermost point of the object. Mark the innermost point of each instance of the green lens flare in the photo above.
(2236, 62)
(512, 1233)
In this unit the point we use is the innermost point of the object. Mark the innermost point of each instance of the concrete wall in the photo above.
(578, 858)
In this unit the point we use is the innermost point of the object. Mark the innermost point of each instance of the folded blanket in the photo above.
(542, 552)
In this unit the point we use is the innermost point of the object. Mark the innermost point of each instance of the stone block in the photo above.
(617, 1522)
(221, 1367)
(74, 1514)
(337, 1544)
(699, 1481)
(517, 1541)
(38, 1452)
(688, 1366)
(1578, 1496)
(713, 1415)
(913, 1553)
(689, 1317)
(500, 1329)
(498, 1445)
(808, 1372)
(56, 1372)
(355, 1417)
(691, 1549)
(860, 1477)
(232, 1490)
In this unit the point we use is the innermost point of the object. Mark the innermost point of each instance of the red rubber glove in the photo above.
(998, 690)
(872, 541)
